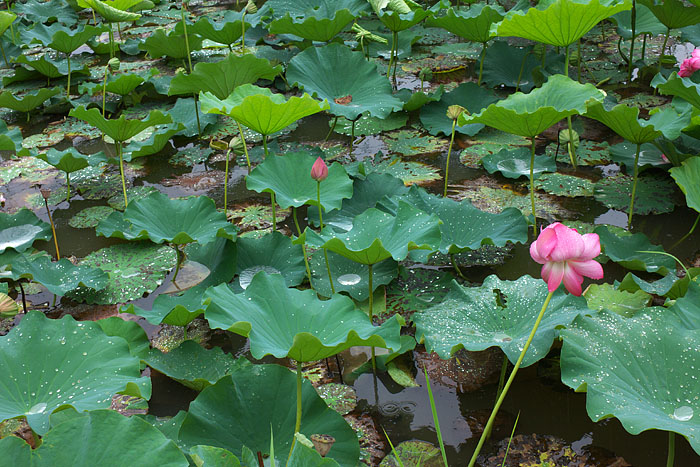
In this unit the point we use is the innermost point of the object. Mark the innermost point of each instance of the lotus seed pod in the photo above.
(236, 145)
(454, 111)
(322, 443)
(251, 8)
(114, 64)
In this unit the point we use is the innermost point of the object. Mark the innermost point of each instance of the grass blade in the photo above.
(435, 418)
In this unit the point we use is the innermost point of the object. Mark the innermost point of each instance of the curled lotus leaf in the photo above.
(120, 129)
(18, 231)
(321, 20)
(62, 38)
(684, 88)
(110, 13)
(473, 24)
(673, 14)
(687, 176)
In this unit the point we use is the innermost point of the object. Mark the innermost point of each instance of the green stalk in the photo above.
(532, 185)
(644, 46)
(456, 266)
(245, 146)
(2, 49)
(335, 121)
(68, 186)
(396, 54)
(634, 30)
(228, 153)
(274, 211)
(391, 58)
(481, 62)
(303, 245)
(55, 239)
(505, 456)
(320, 220)
(502, 379)
(494, 412)
(243, 32)
(187, 40)
(570, 145)
(104, 91)
(265, 146)
(449, 151)
(580, 59)
(297, 424)
(671, 449)
(121, 171)
(68, 85)
(435, 418)
(520, 74)
(690, 232)
(663, 49)
(634, 188)
(371, 314)
(177, 268)
(196, 113)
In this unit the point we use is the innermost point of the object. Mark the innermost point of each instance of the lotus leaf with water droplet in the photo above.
(59, 277)
(18, 231)
(272, 253)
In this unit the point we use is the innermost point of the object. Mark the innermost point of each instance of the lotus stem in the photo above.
(663, 50)
(371, 314)
(68, 186)
(274, 211)
(456, 266)
(196, 113)
(320, 220)
(690, 232)
(104, 91)
(352, 135)
(53, 228)
(494, 412)
(532, 186)
(396, 54)
(335, 121)
(121, 171)
(391, 58)
(481, 63)
(328, 267)
(502, 378)
(644, 45)
(634, 36)
(228, 153)
(265, 145)
(111, 42)
(634, 187)
(245, 147)
(570, 144)
(24, 296)
(187, 40)
(671, 449)
(520, 74)
(2, 49)
(180, 258)
(68, 85)
(243, 31)
(297, 424)
(449, 151)
(303, 246)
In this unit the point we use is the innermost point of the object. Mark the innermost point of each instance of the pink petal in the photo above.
(687, 68)
(569, 244)
(573, 280)
(589, 268)
(696, 53)
(553, 273)
(546, 242)
(535, 254)
(591, 247)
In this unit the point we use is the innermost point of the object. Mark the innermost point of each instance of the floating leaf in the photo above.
(516, 163)
(368, 125)
(564, 185)
(70, 350)
(412, 143)
(626, 250)
(19, 231)
(413, 453)
(655, 194)
(59, 277)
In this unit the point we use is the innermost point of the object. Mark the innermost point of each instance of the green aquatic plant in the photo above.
(27, 102)
(687, 176)
(315, 20)
(69, 161)
(6, 20)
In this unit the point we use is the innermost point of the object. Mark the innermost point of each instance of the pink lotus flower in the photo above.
(568, 256)
(319, 171)
(690, 65)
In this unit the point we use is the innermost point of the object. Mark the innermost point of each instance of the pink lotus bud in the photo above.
(319, 171)
(567, 256)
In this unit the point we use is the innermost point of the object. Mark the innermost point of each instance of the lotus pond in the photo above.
(308, 233)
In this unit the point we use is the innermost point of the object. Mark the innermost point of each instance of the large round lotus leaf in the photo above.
(376, 235)
(88, 218)
(673, 14)
(641, 370)
(626, 250)
(649, 156)
(222, 77)
(500, 68)
(465, 227)
(623, 121)
(473, 24)
(173, 44)
(350, 83)
(120, 129)
(366, 194)
(499, 313)
(218, 256)
(416, 100)
(133, 268)
(530, 114)
(161, 219)
(289, 177)
(241, 410)
(227, 31)
(687, 176)
(348, 276)
(516, 163)
(684, 88)
(291, 323)
(69, 160)
(79, 366)
(314, 25)
(261, 110)
(59, 277)
(18, 231)
(28, 101)
(62, 38)
(100, 437)
(472, 97)
(192, 365)
(655, 193)
(272, 253)
(558, 23)
(130, 331)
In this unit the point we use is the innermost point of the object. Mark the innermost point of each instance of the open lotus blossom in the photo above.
(567, 256)
(690, 65)
(319, 171)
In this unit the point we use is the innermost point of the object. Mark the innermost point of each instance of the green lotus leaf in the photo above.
(472, 97)
(172, 44)
(515, 163)
(227, 31)
(177, 310)
(564, 185)
(305, 455)
(59, 277)
(464, 227)
(497, 314)
(626, 251)
(499, 66)
(130, 331)
(111, 14)
(625, 153)
(6, 19)
(674, 14)
(559, 23)
(398, 19)
(684, 88)
(133, 268)
(183, 113)
(322, 8)
(645, 23)
(222, 77)
(213, 456)
(416, 100)
(530, 114)
(70, 350)
(623, 121)
(314, 25)
(92, 438)
(158, 137)
(348, 276)
(161, 219)
(122, 84)
(367, 125)
(60, 37)
(272, 253)
(29, 101)
(606, 296)
(261, 110)
(473, 24)
(48, 67)
(11, 140)
(661, 287)
(655, 193)
(289, 177)
(120, 129)
(376, 235)
(45, 12)
(366, 194)
(69, 160)
(220, 258)
(192, 365)
(687, 176)
(241, 410)
(335, 72)
(640, 370)
(18, 231)
(409, 172)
